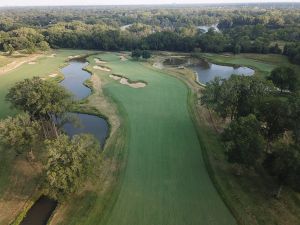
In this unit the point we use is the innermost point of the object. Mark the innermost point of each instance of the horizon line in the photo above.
(157, 4)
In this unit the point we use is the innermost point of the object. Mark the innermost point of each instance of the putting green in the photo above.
(165, 181)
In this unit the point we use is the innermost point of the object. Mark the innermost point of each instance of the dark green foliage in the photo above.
(236, 96)
(284, 164)
(41, 99)
(146, 54)
(20, 133)
(244, 143)
(273, 111)
(285, 78)
(69, 164)
(136, 54)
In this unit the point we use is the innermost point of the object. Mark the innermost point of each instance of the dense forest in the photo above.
(247, 29)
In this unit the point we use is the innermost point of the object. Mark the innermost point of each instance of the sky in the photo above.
(123, 2)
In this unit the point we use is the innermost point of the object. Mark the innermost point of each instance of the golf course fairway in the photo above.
(165, 181)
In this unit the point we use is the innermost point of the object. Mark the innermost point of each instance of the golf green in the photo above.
(165, 181)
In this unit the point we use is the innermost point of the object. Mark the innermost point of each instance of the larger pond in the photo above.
(206, 71)
(75, 76)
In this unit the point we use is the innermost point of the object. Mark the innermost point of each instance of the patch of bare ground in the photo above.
(123, 58)
(23, 184)
(17, 63)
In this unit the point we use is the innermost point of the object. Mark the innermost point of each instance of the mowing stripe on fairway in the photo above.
(165, 182)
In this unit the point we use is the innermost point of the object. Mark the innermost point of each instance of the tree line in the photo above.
(243, 30)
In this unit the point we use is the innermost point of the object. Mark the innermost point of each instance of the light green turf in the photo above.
(165, 182)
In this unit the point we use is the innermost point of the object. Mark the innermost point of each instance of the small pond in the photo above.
(207, 71)
(85, 123)
(40, 212)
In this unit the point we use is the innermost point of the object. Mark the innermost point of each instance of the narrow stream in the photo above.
(75, 76)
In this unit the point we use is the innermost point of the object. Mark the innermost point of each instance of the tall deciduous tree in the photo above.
(43, 100)
(20, 133)
(285, 78)
(244, 142)
(70, 163)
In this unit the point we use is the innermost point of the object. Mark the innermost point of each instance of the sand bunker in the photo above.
(123, 58)
(125, 81)
(102, 68)
(98, 61)
(53, 75)
(74, 56)
(32, 63)
(115, 77)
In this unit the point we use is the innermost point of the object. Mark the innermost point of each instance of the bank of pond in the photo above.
(74, 78)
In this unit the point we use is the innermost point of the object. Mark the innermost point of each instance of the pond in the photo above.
(85, 123)
(75, 77)
(40, 212)
(206, 71)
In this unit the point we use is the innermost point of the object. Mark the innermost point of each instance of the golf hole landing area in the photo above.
(165, 181)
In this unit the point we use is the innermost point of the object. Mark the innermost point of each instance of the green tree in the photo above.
(273, 111)
(70, 162)
(20, 133)
(43, 100)
(136, 54)
(285, 78)
(8, 48)
(146, 54)
(244, 142)
(284, 164)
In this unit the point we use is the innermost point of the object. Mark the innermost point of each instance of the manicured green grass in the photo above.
(165, 180)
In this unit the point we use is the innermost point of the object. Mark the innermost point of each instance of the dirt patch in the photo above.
(17, 63)
(32, 63)
(98, 61)
(125, 81)
(102, 68)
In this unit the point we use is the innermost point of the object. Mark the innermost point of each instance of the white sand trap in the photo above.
(98, 61)
(102, 68)
(73, 56)
(32, 63)
(115, 77)
(133, 85)
(51, 56)
(123, 58)
(53, 75)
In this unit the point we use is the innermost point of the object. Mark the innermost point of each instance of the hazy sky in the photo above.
(122, 2)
